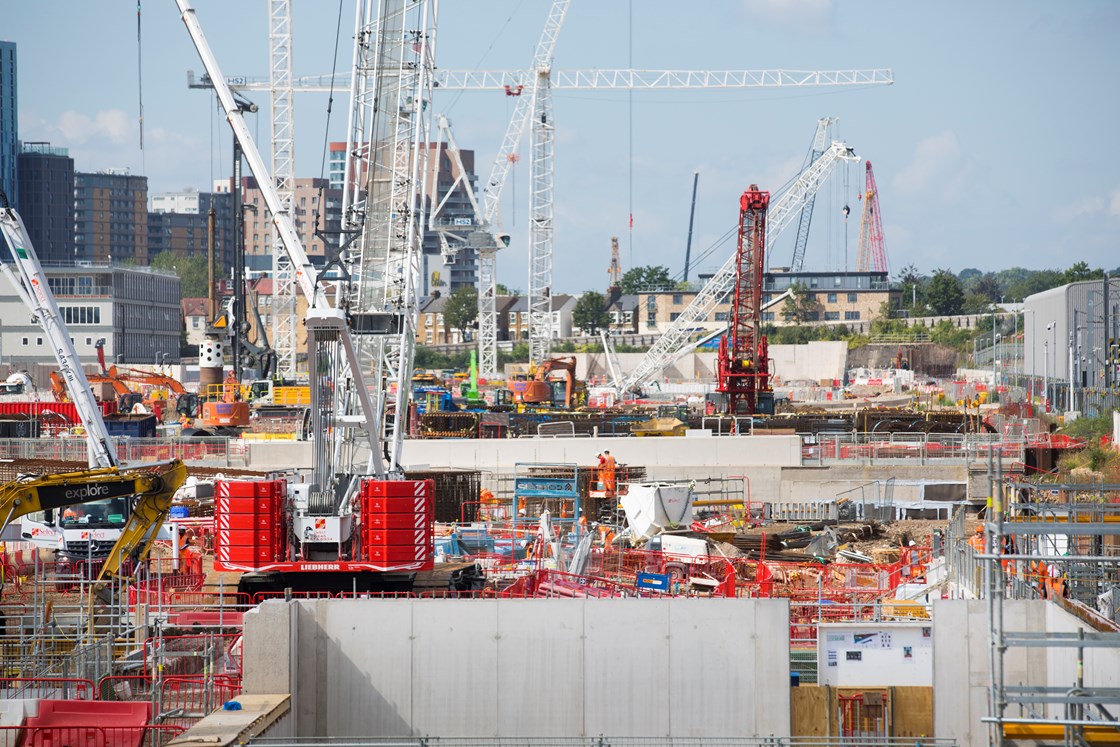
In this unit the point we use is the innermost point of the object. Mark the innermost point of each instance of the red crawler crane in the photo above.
(744, 364)
(872, 253)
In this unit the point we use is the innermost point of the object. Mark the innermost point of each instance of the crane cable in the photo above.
(140, 87)
(327, 127)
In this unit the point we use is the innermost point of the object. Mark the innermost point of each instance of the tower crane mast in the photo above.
(820, 144)
(872, 251)
(744, 366)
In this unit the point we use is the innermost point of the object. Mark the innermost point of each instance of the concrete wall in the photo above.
(500, 455)
(563, 668)
(961, 669)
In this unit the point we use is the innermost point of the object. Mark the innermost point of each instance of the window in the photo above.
(853, 297)
(674, 316)
(812, 282)
(813, 316)
(24, 341)
(767, 316)
(851, 316)
(428, 337)
(723, 316)
(39, 341)
(832, 298)
(89, 341)
(832, 316)
(836, 281)
(678, 298)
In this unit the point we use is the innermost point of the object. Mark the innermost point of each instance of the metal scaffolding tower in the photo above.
(389, 128)
(283, 171)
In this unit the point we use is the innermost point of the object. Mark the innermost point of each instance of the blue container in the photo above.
(178, 512)
(131, 426)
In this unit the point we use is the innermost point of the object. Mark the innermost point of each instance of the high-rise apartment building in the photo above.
(314, 206)
(111, 217)
(46, 200)
(9, 122)
(179, 222)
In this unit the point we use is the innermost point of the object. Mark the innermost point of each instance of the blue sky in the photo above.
(993, 148)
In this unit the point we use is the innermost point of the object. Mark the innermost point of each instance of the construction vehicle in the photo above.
(743, 361)
(124, 509)
(283, 393)
(354, 521)
(556, 393)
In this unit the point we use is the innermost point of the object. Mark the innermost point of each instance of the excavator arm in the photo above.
(153, 487)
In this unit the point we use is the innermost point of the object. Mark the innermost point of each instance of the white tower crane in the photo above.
(534, 87)
(391, 93)
(283, 171)
(672, 344)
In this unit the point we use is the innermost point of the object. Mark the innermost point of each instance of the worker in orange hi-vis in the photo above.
(977, 543)
(606, 472)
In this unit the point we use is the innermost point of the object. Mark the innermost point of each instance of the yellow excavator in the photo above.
(150, 488)
(132, 500)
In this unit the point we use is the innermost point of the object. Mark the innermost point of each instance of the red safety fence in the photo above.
(158, 590)
(91, 735)
(69, 688)
(185, 700)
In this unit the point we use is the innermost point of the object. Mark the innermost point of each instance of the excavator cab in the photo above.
(129, 400)
(187, 404)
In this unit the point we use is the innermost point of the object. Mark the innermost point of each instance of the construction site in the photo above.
(714, 541)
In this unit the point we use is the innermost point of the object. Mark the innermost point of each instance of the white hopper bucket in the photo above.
(654, 507)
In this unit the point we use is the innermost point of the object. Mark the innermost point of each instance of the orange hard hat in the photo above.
(979, 528)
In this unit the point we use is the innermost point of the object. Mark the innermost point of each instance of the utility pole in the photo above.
(1045, 372)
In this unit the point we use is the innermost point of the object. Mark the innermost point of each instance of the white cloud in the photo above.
(937, 157)
(114, 125)
(1084, 208)
(1114, 203)
(804, 14)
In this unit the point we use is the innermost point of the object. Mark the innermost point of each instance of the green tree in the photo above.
(801, 306)
(943, 294)
(194, 276)
(647, 278)
(589, 313)
(1082, 271)
(462, 309)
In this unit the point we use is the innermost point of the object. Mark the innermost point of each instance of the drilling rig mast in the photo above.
(744, 366)
(872, 252)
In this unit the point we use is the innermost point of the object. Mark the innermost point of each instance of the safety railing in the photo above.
(910, 448)
(609, 741)
(225, 452)
(94, 734)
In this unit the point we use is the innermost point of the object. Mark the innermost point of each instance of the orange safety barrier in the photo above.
(117, 724)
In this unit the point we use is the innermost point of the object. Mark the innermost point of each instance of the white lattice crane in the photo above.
(389, 133)
(674, 341)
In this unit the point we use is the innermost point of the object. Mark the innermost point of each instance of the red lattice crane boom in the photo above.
(872, 252)
(744, 365)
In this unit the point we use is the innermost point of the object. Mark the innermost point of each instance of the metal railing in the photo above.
(604, 741)
(907, 448)
(222, 452)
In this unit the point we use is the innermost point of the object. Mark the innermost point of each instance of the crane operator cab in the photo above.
(79, 532)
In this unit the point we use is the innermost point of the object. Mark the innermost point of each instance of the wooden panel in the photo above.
(809, 709)
(912, 712)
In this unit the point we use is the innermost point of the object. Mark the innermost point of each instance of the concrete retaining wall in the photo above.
(564, 668)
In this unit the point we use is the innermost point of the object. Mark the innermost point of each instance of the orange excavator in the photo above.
(542, 391)
(119, 379)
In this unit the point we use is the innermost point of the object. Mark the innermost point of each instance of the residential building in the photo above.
(196, 313)
(111, 217)
(841, 297)
(9, 122)
(135, 309)
(179, 223)
(1081, 320)
(46, 201)
(315, 206)
(432, 327)
(852, 298)
(625, 313)
(336, 167)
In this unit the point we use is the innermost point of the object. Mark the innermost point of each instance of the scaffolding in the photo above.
(1067, 553)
